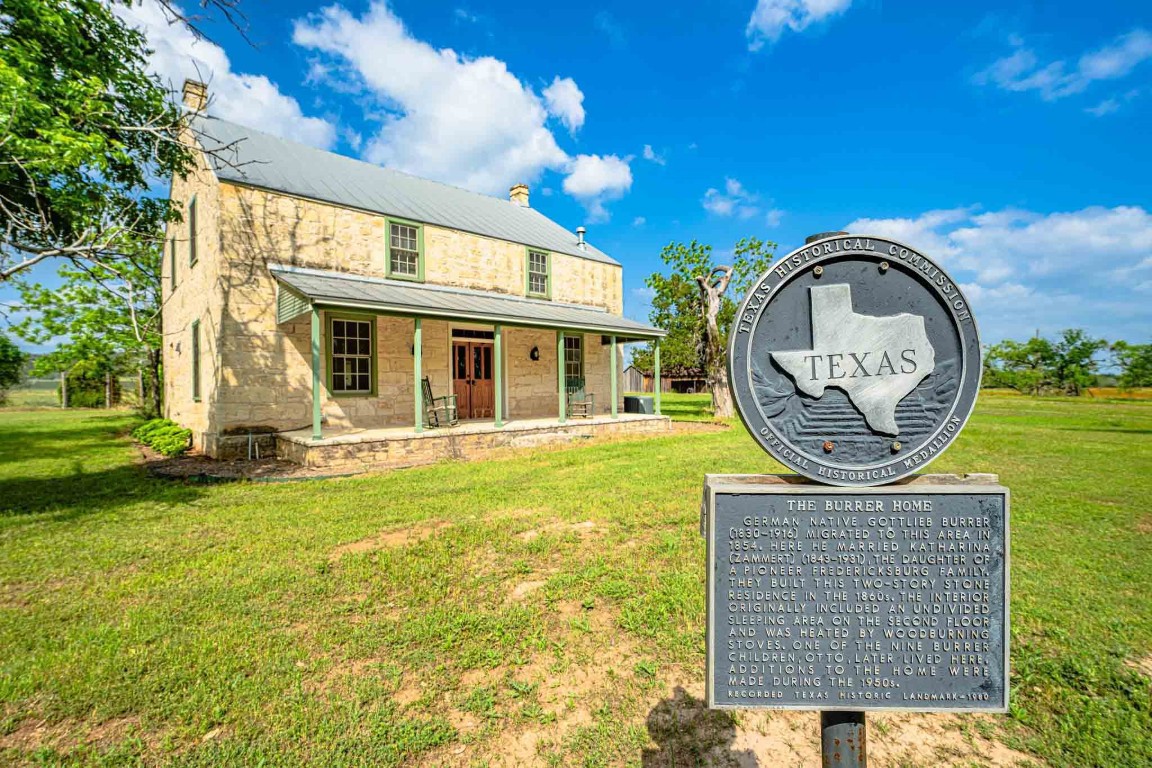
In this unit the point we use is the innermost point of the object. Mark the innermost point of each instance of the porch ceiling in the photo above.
(338, 289)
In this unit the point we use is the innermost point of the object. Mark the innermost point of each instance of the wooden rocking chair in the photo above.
(580, 403)
(438, 411)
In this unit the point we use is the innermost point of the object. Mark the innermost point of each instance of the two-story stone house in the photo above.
(307, 295)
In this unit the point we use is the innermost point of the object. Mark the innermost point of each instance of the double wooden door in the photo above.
(472, 379)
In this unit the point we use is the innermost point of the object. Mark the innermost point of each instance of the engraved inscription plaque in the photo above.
(830, 598)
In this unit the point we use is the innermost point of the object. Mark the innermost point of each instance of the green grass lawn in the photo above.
(541, 605)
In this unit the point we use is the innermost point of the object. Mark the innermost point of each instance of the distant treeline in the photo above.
(1069, 364)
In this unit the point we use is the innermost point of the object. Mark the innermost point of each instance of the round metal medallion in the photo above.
(855, 360)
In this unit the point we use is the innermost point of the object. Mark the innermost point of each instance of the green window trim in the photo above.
(172, 263)
(329, 353)
(421, 256)
(195, 361)
(574, 342)
(529, 273)
(193, 256)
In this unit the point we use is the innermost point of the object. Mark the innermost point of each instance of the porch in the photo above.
(380, 349)
(398, 447)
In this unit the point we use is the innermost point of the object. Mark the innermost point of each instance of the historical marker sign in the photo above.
(855, 360)
(830, 598)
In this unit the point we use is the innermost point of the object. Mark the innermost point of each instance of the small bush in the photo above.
(164, 436)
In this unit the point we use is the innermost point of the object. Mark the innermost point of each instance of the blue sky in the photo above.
(1009, 141)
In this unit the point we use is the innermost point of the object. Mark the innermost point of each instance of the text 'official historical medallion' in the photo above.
(855, 360)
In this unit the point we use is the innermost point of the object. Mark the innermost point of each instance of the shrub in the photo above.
(164, 436)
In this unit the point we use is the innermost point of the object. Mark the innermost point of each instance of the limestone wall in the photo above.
(193, 298)
(289, 230)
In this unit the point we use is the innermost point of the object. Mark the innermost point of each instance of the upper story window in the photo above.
(350, 360)
(404, 246)
(539, 275)
(192, 255)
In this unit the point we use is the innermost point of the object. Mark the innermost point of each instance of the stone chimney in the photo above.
(195, 95)
(519, 195)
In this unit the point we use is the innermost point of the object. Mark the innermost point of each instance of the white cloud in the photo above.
(565, 100)
(773, 217)
(251, 100)
(653, 156)
(639, 221)
(462, 120)
(1025, 270)
(771, 17)
(1022, 70)
(736, 201)
(596, 179)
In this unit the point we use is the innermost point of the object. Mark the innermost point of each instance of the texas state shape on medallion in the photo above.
(877, 361)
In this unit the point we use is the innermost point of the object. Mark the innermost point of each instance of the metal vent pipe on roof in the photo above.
(580, 237)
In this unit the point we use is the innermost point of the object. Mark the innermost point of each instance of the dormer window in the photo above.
(405, 243)
(539, 281)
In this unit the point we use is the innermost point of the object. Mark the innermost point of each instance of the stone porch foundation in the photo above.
(397, 448)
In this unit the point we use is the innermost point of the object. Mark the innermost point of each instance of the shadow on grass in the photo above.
(84, 493)
(69, 467)
(687, 733)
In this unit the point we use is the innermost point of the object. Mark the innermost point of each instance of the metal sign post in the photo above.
(862, 585)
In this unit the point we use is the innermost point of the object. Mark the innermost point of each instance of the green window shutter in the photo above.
(196, 361)
(172, 263)
(192, 255)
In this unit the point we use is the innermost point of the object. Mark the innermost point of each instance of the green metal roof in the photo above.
(247, 156)
(339, 289)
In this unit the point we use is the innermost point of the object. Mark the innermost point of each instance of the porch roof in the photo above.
(339, 289)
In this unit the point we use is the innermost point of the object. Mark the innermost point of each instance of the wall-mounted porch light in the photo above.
(535, 353)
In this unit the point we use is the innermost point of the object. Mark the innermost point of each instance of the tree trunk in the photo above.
(107, 390)
(712, 344)
(153, 373)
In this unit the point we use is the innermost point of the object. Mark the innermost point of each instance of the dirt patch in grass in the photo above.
(585, 528)
(680, 724)
(1143, 666)
(391, 539)
(67, 735)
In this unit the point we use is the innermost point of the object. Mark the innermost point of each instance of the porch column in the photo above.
(316, 435)
(417, 359)
(612, 368)
(658, 383)
(497, 374)
(560, 376)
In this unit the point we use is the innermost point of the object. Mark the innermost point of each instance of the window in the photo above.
(350, 359)
(192, 232)
(196, 361)
(538, 274)
(172, 263)
(574, 357)
(404, 251)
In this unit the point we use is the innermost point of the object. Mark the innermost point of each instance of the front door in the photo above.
(472, 379)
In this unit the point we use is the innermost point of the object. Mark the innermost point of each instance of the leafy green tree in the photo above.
(1074, 361)
(1134, 362)
(11, 366)
(1023, 366)
(85, 131)
(696, 303)
(109, 314)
